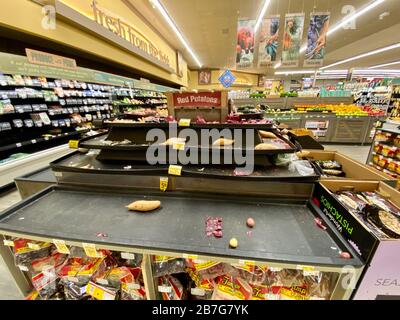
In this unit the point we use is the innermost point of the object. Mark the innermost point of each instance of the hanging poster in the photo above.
(293, 34)
(245, 44)
(204, 77)
(316, 39)
(269, 31)
(179, 64)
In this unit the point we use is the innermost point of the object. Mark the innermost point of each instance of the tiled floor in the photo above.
(9, 291)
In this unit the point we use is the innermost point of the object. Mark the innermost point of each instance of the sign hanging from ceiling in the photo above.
(245, 44)
(316, 39)
(293, 34)
(268, 45)
(201, 99)
(227, 79)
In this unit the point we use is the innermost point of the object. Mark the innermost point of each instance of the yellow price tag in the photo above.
(184, 122)
(33, 246)
(163, 183)
(99, 293)
(61, 246)
(8, 243)
(305, 268)
(73, 144)
(175, 170)
(179, 146)
(90, 250)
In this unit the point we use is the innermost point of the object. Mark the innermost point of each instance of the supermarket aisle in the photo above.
(8, 289)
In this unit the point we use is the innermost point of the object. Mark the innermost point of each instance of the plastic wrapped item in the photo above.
(46, 283)
(352, 201)
(303, 167)
(171, 288)
(260, 292)
(253, 274)
(73, 291)
(208, 270)
(329, 164)
(132, 292)
(320, 288)
(25, 251)
(164, 265)
(34, 295)
(80, 270)
(375, 199)
(129, 259)
(284, 159)
(100, 292)
(55, 260)
(232, 288)
(384, 220)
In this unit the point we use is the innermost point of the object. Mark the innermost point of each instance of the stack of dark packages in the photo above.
(193, 279)
(379, 214)
(330, 168)
(57, 276)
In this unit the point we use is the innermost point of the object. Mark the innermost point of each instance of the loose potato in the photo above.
(266, 146)
(267, 134)
(172, 141)
(144, 206)
(223, 142)
(303, 154)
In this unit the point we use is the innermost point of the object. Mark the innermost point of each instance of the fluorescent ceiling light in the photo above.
(295, 72)
(363, 55)
(261, 16)
(167, 17)
(384, 65)
(369, 71)
(342, 71)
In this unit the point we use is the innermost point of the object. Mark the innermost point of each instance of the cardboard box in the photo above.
(381, 279)
(354, 170)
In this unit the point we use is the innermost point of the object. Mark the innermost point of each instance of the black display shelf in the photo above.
(41, 140)
(284, 233)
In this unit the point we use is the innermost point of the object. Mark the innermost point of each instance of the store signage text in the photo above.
(204, 99)
(50, 60)
(338, 220)
(127, 32)
(387, 282)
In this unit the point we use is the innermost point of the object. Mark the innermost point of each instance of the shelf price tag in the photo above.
(61, 246)
(98, 293)
(305, 268)
(175, 170)
(127, 256)
(163, 184)
(90, 250)
(247, 263)
(8, 243)
(184, 122)
(164, 289)
(73, 144)
(311, 273)
(179, 146)
(275, 269)
(198, 292)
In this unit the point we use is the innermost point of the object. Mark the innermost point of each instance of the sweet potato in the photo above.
(267, 134)
(144, 206)
(266, 146)
(223, 142)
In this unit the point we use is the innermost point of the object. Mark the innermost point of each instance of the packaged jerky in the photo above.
(253, 274)
(47, 283)
(320, 287)
(80, 270)
(259, 292)
(25, 251)
(209, 269)
(132, 291)
(164, 265)
(73, 291)
(171, 288)
(232, 288)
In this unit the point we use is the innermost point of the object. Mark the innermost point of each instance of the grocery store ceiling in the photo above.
(210, 28)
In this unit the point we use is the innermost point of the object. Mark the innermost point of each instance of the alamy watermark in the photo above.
(206, 146)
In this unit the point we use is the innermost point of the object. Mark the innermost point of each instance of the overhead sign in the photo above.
(117, 31)
(201, 99)
(245, 43)
(227, 79)
(50, 60)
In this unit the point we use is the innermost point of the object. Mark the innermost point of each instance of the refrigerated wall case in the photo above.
(293, 252)
(385, 151)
